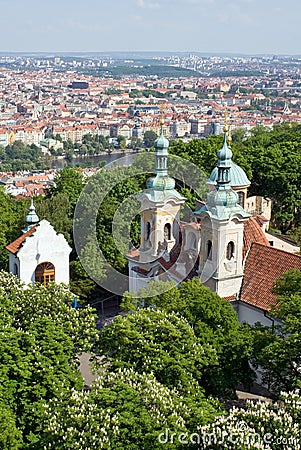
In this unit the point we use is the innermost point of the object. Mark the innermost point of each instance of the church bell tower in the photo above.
(160, 218)
(222, 224)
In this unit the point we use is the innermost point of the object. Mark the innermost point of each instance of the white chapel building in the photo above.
(40, 254)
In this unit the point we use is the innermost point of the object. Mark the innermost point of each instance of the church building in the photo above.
(227, 245)
(39, 254)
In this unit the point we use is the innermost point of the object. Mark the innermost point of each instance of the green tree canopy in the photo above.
(214, 322)
(261, 425)
(40, 339)
(69, 182)
(149, 138)
(12, 215)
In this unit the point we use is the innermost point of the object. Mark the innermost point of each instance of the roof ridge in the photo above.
(15, 246)
(276, 249)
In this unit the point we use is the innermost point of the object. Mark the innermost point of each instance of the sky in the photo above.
(206, 26)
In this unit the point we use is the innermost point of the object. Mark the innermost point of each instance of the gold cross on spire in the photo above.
(162, 109)
(227, 125)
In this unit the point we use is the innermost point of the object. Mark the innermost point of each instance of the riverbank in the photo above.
(101, 159)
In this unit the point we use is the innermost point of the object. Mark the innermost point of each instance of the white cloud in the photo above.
(147, 4)
(136, 18)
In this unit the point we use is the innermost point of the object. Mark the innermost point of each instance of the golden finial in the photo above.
(227, 125)
(162, 109)
(229, 138)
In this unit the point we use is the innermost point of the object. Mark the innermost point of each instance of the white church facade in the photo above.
(40, 254)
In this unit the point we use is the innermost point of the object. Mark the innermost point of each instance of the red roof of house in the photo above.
(15, 246)
(253, 233)
(264, 265)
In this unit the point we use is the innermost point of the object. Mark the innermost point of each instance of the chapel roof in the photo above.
(15, 246)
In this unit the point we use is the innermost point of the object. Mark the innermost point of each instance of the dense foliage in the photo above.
(12, 214)
(19, 156)
(123, 410)
(212, 322)
(43, 403)
(271, 159)
(262, 426)
(40, 338)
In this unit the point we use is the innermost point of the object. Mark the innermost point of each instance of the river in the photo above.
(93, 161)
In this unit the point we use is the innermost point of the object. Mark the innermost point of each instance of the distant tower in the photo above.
(286, 110)
(160, 218)
(222, 225)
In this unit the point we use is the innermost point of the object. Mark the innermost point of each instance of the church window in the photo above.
(45, 273)
(148, 230)
(209, 249)
(241, 198)
(16, 270)
(167, 232)
(230, 250)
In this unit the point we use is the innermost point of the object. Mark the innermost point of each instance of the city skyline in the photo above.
(206, 26)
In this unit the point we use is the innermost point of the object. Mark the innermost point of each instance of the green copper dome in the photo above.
(31, 218)
(160, 182)
(226, 171)
(222, 197)
(237, 176)
(161, 143)
(224, 155)
(222, 202)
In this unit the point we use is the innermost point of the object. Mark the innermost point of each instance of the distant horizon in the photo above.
(146, 52)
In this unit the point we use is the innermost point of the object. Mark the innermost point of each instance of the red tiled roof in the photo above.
(253, 233)
(260, 218)
(15, 246)
(264, 265)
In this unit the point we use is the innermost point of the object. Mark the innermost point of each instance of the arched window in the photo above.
(16, 270)
(44, 273)
(167, 232)
(241, 198)
(148, 231)
(230, 250)
(209, 249)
